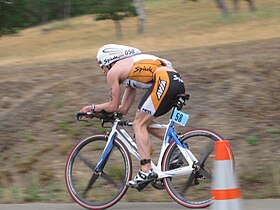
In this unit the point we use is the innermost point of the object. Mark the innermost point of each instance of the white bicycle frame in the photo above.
(119, 132)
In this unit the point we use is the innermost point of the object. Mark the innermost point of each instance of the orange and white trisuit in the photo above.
(162, 86)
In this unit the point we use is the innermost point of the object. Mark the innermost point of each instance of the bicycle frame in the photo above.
(177, 169)
(119, 132)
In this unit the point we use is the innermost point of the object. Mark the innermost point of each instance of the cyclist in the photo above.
(127, 65)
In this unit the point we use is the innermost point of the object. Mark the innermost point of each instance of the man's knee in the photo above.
(142, 119)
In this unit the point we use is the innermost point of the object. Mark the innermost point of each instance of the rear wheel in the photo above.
(103, 188)
(194, 190)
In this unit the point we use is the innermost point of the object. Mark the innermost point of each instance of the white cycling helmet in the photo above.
(111, 53)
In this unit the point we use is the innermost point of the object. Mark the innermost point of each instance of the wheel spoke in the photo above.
(205, 154)
(91, 182)
(189, 182)
(86, 162)
(205, 173)
(107, 178)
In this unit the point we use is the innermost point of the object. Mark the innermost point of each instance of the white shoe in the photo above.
(142, 177)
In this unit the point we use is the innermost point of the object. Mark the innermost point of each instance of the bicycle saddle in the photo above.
(180, 100)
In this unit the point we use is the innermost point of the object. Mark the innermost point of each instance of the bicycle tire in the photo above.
(195, 191)
(109, 185)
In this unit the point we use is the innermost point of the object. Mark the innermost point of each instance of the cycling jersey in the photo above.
(163, 86)
(143, 70)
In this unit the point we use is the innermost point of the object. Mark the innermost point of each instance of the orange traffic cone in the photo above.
(225, 190)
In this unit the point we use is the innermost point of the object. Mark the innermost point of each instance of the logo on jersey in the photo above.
(146, 110)
(139, 69)
(161, 88)
(175, 77)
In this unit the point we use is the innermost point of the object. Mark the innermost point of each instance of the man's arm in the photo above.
(127, 100)
(113, 104)
(115, 76)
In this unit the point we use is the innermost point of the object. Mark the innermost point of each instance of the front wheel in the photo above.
(194, 190)
(97, 189)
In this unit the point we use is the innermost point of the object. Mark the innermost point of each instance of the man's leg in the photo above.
(157, 132)
(140, 126)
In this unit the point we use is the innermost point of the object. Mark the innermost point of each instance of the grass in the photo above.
(67, 127)
(276, 178)
(29, 136)
(25, 164)
(70, 129)
(36, 190)
(57, 26)
(260, 184)
(46, 175)
(5, 178)
(252, 140)
(273, 131)
(33, 191)
(65, 146)
(183, 26)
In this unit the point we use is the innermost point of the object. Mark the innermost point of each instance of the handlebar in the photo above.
(104, 116)
(113, 116)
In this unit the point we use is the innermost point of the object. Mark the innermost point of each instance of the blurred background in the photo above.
(227, 51)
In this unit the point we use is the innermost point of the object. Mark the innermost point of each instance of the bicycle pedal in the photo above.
(141, 185)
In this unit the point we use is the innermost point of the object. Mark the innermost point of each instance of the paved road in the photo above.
(267, 204)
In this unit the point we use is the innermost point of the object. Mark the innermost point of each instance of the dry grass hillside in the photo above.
(231, 68)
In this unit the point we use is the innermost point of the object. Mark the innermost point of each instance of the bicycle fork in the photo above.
(106, 153)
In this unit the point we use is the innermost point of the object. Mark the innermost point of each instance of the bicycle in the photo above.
(100, 166)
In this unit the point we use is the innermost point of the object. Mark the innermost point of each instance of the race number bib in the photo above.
(180, 117)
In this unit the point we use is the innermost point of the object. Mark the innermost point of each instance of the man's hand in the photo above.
(89, 108)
